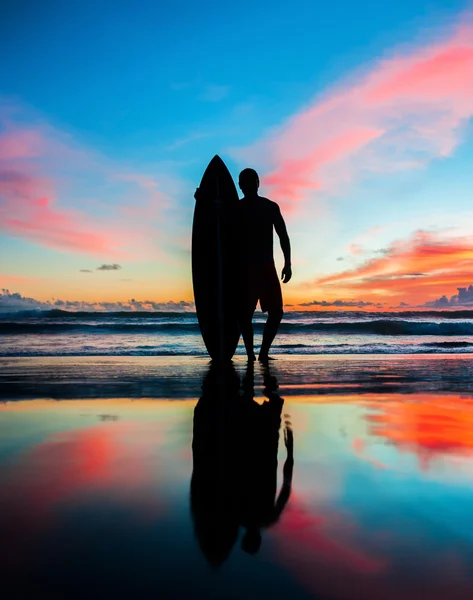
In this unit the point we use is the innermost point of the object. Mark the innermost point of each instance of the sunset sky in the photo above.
(358, 117)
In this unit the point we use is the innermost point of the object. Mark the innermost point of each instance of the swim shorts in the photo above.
(261, 282)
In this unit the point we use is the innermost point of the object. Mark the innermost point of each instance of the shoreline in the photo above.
(181, 377)
(240, 358)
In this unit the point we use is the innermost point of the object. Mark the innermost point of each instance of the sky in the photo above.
(357, 116)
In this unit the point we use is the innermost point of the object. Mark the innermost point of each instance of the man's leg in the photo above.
(269, 333)
(271, 301)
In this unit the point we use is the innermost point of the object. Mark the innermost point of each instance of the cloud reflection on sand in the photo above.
(120, 463)
(430, 426)
(336, 556)
(363, 520)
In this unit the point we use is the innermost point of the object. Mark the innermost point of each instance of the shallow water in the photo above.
(173, 496)
(60, 333)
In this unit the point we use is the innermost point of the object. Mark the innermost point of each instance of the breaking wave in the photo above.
(189, 326)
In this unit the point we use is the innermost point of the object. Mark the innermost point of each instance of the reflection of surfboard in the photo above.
(216, 453)
(214, 261)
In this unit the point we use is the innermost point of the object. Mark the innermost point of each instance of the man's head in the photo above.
(249, 182)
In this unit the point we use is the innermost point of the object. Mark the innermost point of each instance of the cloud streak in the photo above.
(398, 114)
(341, 303)
(416, 268)
(53, 192)
(29, 210)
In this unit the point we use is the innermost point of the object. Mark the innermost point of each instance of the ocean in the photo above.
(61, 333)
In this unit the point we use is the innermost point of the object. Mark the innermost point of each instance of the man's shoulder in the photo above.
(260, 204)
(269, 204)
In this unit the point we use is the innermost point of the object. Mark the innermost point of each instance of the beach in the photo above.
(181, 377)
(115, 477)
(174, 188)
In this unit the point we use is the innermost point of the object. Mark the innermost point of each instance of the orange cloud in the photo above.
(418, 269)
(399, 114)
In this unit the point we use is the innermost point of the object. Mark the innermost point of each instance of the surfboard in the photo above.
(214, 261)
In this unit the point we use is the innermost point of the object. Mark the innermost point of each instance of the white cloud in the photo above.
(11, 302)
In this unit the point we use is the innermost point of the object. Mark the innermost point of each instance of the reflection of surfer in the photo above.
(235, 448)
(259, 506)
(259, 279)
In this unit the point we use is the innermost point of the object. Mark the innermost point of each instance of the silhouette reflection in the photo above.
(235, 460)
(214, 484)
(260, 506)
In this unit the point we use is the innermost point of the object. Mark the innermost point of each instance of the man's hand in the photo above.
(286, 273)
(197, 193)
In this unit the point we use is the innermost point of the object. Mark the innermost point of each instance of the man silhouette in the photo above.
(260, 505)
(259, 280)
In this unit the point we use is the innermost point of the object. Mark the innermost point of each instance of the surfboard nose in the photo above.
(217, 159)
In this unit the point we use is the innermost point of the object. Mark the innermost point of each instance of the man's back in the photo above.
(258, 216)
(259, 282)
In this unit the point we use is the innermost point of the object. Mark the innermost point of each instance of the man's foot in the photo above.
(264, 358)
(251, 357)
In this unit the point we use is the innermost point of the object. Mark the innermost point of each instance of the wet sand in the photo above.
(181, 377)
(343, 478)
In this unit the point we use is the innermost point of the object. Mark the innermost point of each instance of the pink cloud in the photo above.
(60, 194)
(296, 175)
(27, 210)
(18, 144)
(399, 114)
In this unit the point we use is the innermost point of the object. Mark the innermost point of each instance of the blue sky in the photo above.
(156, 89)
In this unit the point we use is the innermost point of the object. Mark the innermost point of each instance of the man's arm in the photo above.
(281, 230)
(288, 468)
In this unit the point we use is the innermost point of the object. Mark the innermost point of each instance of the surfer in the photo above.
(259, 280)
